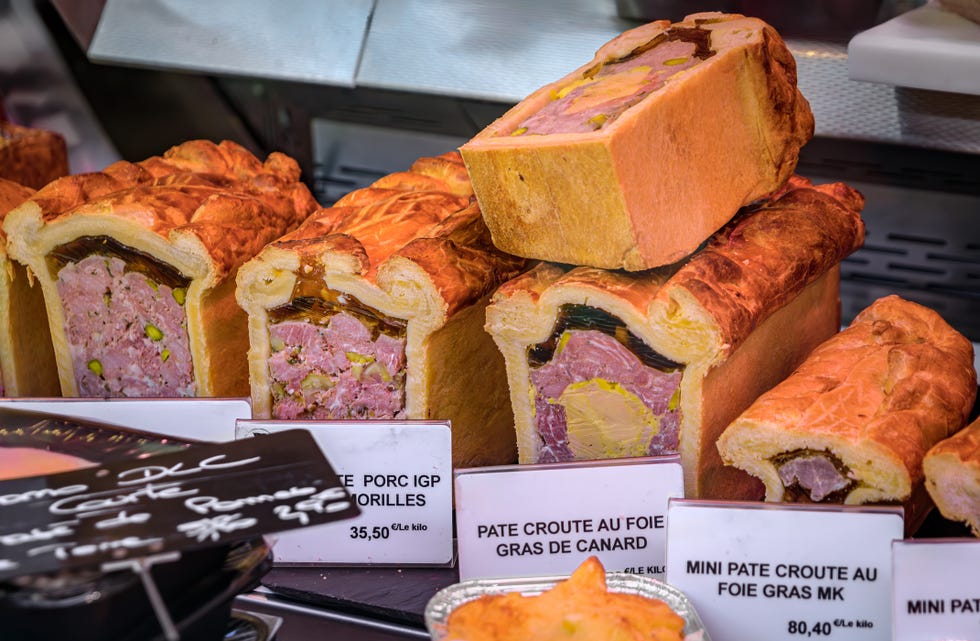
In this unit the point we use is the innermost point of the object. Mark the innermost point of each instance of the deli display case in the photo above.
(355, 91)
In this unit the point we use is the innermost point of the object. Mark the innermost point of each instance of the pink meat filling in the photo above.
(590, 354)
(817, 475)
(590, 106)
(336, 371)
(127, 334)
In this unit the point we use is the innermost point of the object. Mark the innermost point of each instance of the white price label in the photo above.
(936, 589)
(399, 474)
(199, 419)
(769, 572)
(528, 520)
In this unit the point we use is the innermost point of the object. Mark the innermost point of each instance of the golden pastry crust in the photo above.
(952, 471)
(647, 188)
(876, 396)
(31, 157)
(771, 272)
(27, 361)
(580, 607)
(409, 253)
(201, 208)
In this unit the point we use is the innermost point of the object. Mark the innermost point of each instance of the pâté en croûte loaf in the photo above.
(27, 364)
(137, 266)
(374, 309)
(632, 160)
(853, 423)
(606, 364)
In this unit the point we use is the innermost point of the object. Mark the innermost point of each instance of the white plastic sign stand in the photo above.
(400, 476)
(936, 589)
(770, 571)
(198, 419)
(533, 520)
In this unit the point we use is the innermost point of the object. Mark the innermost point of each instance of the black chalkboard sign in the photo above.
(198, 497)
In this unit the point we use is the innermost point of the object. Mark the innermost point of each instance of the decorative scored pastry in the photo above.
(854, 422)
(31, 157)
(952, 471)
(632, 160)
(137, 265)
(605, 364)
(374, 308)
(27, 364)
(580, 607)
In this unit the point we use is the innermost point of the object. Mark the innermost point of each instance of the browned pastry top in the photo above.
(753, 266)
(964, 445)
(899, 375)
(768, 254)
(11, 195)
(221, 193)
(401, 215)
(31, 157)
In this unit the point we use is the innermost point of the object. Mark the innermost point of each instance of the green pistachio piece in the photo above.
(152, 332)
(165, 355)
(276, 343)
(95, 365)
(180, 295)
(354, 357)
(674, 61)
(379, 370)
(314, 381)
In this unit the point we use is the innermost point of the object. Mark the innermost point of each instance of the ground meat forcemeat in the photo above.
(336, 370)
(127, 333)
(590, 355)
(815, 473)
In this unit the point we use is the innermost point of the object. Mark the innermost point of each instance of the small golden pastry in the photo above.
(578, 608)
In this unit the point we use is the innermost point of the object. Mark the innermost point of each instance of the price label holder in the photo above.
(532, 520)
(197, 419)
(768, 571)
(400, 475)
(936, 589)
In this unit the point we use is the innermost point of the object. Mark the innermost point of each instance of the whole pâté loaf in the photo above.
(137, 264)
(27, 364)
(853, 423)
(634, 159)
(374, 309)
(31, 157)
(608, 364)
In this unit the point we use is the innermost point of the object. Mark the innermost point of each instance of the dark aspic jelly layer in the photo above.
(594, 371)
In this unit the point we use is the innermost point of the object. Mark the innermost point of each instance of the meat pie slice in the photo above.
(137, 266)
(374, 309)
(635, 158)
(853, 423)
(27, 365)
(605, 364)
